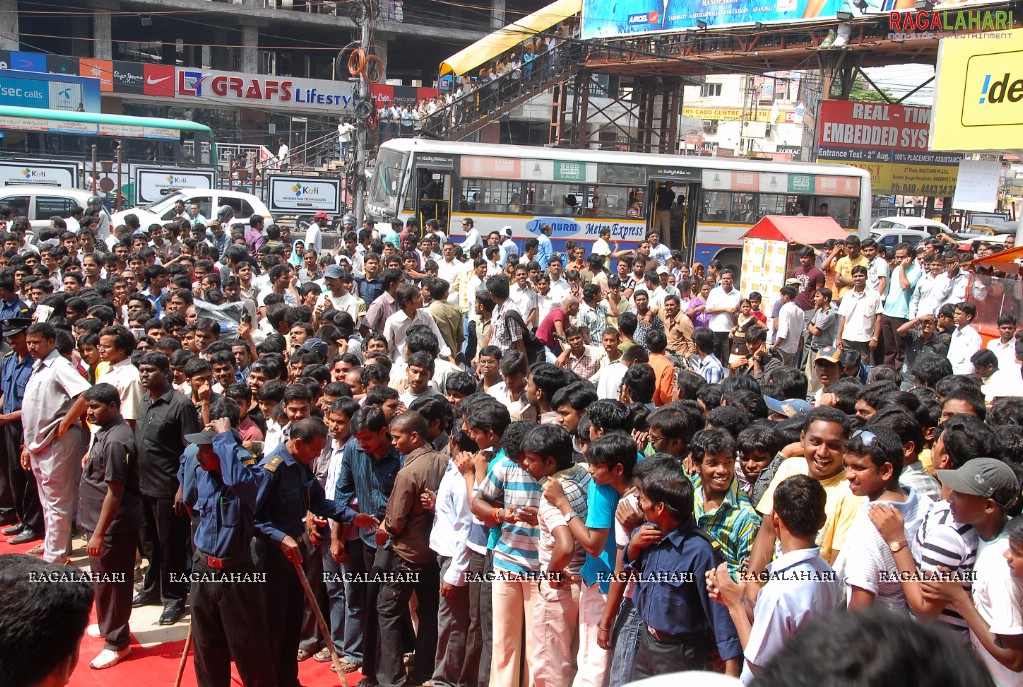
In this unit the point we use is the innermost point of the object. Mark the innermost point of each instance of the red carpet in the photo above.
(156, 664)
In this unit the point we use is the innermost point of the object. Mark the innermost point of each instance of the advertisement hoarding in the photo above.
(609, 18)
(979, 86)
(303, 195)
(889, 141)
(38, 174)
(153, 184)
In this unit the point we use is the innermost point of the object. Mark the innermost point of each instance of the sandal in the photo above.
(304, 655)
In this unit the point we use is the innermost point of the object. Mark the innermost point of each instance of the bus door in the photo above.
(677, 223)
(432, 188)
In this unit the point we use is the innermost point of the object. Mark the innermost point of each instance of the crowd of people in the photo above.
(497, 464)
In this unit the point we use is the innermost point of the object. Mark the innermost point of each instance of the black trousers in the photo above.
(894, 345)
(422, 579)
(721, 347)
(375, 561)
(283, 602)
(114, 585)
(481, 617)
(312, 563)
(655, 657)
(229, 623)
(165, 542)
(22, 482)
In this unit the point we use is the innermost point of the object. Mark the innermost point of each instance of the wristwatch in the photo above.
(568, 518)
(897, 546)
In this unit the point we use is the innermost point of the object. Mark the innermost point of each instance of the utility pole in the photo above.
(359, 204)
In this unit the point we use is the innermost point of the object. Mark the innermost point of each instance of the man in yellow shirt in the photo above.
(844, 266)
(823, 441)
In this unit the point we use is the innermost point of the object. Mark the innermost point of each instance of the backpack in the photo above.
(536, 351)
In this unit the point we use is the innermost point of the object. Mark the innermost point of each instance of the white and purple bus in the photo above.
(716, 199)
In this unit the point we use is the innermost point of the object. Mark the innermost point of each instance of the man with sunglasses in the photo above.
(873, 463)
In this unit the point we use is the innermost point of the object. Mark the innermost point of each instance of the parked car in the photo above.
(159, 211)
(40, 203)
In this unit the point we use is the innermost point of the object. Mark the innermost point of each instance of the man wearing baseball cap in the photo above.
(982, 491)
(825, 370)
(314, 234)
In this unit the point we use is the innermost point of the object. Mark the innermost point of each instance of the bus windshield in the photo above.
(384, 188)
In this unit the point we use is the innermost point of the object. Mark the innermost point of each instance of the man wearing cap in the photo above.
(338, 294)
(314, 234)
(507, 246)
(10, 304)
(21, 484)
(288, 491)
(228, 619)
(54, 442)
(820, 328)
(826, 371)
(982, 491)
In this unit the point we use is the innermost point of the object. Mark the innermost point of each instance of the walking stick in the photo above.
(311, 598)
(184, 655)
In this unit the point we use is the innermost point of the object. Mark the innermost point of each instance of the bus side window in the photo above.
(715, 206)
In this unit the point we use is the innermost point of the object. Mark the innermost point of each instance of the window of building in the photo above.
(710, 126)
(710, 90)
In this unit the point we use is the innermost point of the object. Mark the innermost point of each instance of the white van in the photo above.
(40, 203)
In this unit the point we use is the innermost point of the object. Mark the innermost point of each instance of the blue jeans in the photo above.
(346, 601)
(625, 637)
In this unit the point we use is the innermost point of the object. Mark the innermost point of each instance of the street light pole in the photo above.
(359, 203)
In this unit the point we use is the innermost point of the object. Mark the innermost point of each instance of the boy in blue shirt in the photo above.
(611, 459)
(681, 625)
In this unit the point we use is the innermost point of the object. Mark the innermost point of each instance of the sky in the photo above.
(902, 78)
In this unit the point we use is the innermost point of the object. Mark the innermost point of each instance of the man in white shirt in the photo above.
(800, 584)
(410, 312)
(790, 326)
(345, 131)
(965, 339)
(559, 287)
(508, 246)
(472, 235)
(859, 323)
(1004, 347)
(877, 267)
(338, 294)
(450, 269)
(522, 297)
(951, 286)
(722, 306)
(925, 299)
(658, 251)
(314, 234)
(283, 157)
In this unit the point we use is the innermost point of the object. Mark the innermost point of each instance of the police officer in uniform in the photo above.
(228, 620)
(287, 492)
(15, 370)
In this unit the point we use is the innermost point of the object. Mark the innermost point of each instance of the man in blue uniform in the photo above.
(15, 370)
(288, 490)
(228, 620)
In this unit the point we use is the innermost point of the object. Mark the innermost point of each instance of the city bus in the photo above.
(717, 199)
(58, 135)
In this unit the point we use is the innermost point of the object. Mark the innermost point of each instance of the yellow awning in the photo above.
(504, 39)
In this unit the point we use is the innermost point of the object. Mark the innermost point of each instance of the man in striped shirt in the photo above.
(509, 497)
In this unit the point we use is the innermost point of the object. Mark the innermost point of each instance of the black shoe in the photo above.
(172, 613)
(9, 519)
(25, 537)
(141, 599)
(13, 530)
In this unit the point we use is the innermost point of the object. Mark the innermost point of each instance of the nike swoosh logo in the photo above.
(152, 82)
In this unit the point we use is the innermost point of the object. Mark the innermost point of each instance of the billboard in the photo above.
(610, 18)
(49, 91)
(302, 195)
(979, 86)
(38, 174)
(153, 184)
(889, 141)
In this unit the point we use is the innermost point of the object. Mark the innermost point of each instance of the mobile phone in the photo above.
(246, 317)
(138, 332)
